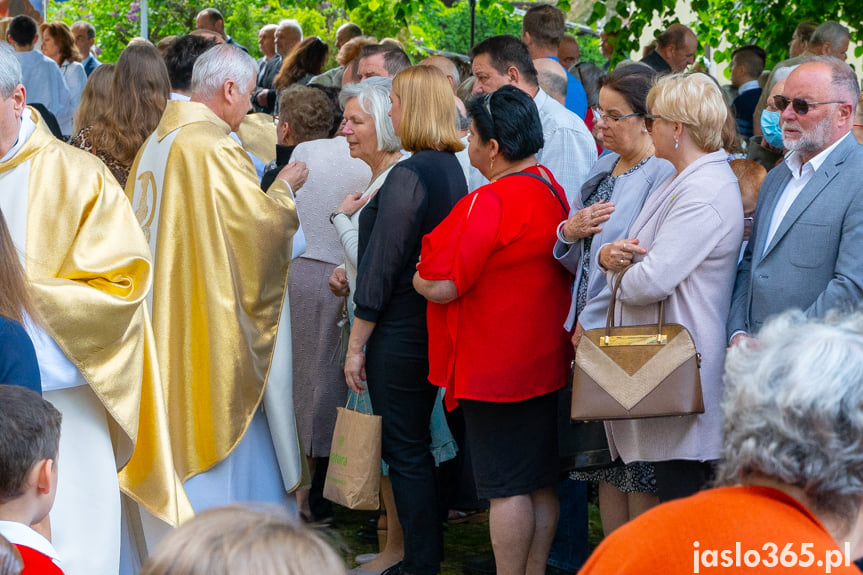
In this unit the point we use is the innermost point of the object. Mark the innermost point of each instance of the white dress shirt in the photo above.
(569, 151)
(801, 174)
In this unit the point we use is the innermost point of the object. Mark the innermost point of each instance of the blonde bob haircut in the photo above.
(234, 540)
(428, 119)
(694, 100)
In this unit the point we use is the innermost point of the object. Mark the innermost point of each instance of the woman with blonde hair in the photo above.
(139, 94)
(96, 98)
(388, 346)
(235, 540)
(58, 43)
(682, 249)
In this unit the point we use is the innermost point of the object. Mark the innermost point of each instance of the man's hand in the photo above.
(738, 338)
(261, 98)
(295, 174)
(339, 282)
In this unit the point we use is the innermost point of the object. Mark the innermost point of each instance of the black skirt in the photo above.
(513, 445)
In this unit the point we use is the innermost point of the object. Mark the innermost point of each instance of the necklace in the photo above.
(385, 168)
(622, 168)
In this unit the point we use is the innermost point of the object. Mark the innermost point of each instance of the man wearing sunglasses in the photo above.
(804, 247)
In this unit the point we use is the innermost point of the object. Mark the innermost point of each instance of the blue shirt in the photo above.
(18, 365)
(576, 97)
(45, 85)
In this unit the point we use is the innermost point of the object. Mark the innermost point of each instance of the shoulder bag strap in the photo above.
(547, 183)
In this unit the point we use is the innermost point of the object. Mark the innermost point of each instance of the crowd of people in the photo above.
(204, 256)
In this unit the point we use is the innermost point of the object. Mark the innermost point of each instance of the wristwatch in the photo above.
(334, 214)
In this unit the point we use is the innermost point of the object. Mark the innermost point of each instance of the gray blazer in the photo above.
(813, 261)
(630, 191)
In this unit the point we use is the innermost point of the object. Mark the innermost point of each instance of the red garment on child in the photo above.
(502, 339)
(36, 563)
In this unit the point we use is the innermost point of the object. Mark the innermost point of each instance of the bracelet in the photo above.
(334, 214)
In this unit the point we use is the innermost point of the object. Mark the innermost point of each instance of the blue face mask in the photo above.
(770, 128)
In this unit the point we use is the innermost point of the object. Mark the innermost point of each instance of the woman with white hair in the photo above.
(682, 248)
(791, 476)
(371, 137)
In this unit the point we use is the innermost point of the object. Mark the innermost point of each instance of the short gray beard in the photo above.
(812, 141)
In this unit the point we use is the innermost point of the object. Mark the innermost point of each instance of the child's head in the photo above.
(10, 559)
(235, 540)
(30, 428)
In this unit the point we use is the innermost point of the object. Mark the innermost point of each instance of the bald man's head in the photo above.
(446, 66)
(552, 78)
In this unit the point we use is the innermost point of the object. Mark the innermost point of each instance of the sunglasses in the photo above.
(649, 119)
(799, 105)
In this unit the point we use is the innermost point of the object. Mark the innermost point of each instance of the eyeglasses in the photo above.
(649, 119)
(799, 105)
(603, 116)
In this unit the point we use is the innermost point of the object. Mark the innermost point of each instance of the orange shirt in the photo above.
(733, 530)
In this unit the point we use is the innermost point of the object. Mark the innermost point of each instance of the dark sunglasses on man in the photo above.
(799, 105)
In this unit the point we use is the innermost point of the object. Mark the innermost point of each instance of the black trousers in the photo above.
(397, 377)
(679, 478)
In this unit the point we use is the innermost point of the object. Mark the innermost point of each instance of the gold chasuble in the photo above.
(221, 251)
(89, 271)
(259, 137)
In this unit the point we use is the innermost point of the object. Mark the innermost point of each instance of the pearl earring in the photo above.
(676, 143)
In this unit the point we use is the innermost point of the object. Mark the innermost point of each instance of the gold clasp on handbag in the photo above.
(619, 340)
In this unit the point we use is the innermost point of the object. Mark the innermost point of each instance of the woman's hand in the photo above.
(576, 336)
(351, 204)
(618, 254)
(338, 282)
(355, 370)
(587, 221)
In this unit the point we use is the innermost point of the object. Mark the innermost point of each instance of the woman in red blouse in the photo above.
(497, 302)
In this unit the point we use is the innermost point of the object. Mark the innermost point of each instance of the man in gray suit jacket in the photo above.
(804, 251)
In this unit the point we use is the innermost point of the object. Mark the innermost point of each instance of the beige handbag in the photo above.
(636, 371)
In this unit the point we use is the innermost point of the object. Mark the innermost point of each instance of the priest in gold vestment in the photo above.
(221, 249)
(89, 272)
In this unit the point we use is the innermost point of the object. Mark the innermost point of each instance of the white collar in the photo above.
(179, 96)
(746, 86)
(793, 158)
(540, 98)
(26, 128)
(20, 534)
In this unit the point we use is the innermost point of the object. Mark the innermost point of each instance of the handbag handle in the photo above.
(609, 319)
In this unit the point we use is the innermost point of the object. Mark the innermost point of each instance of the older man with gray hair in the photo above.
(85, 38)
(803, 252)
(221, 249)
(88, 270)
(791, 474)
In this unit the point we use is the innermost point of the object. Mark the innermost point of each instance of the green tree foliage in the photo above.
(416, 23)
(767, 23)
